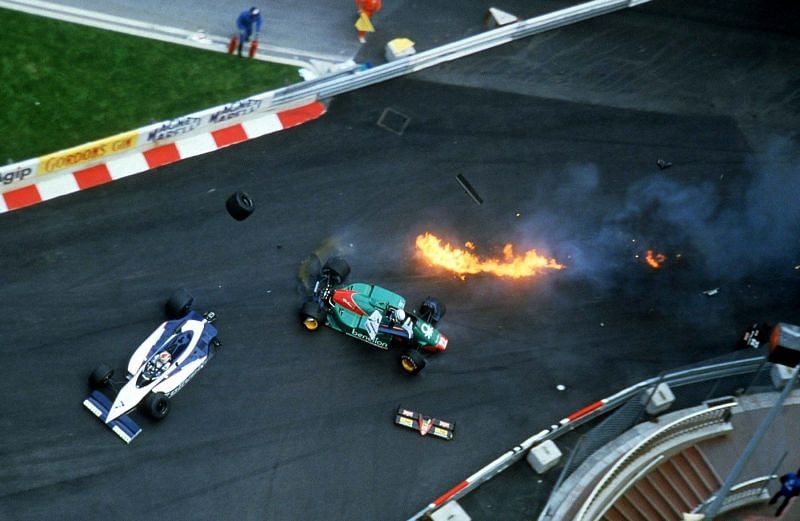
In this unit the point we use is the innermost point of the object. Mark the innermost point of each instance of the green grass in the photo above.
(63, 84)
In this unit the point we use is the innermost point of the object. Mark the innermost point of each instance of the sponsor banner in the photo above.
(200, 121)
(171, 129)
(17, 174)
(234, 110)
(87, 153)
(75, 158)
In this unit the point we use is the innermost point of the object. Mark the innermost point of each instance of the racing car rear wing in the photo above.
(124, 427)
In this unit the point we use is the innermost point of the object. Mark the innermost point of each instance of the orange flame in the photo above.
(463, 262)
(655, 260)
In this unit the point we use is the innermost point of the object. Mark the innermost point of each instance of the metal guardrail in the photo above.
(324, 87)
(596, 504)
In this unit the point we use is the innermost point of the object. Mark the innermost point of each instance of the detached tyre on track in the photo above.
(240, 205)
(312, 316)
(412, 361)
(156, 405)
(179, 304)
(100, 376)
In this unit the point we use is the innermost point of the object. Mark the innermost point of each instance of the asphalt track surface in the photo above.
(285, 424)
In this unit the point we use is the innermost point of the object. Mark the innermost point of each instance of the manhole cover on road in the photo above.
(393, 121)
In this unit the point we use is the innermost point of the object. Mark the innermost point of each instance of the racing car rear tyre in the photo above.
(312, 316)
(100, 376)
(179, 304)
(432, 310)
(156, 405)
(338, 268)
(412, 361)
(240, 205)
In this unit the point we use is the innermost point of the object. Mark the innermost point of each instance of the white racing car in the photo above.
(158, 369)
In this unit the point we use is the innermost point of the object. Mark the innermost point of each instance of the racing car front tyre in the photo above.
(100, 376)
(179, 304)
(338, 268)
(412, 361)
(312, 316)
(156, 405)
(240, 205)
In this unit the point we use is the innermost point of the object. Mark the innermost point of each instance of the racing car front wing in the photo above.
(124, 427)
(424, 424)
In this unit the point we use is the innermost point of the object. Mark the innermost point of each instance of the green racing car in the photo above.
(374, 315)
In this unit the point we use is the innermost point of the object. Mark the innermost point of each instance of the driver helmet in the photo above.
(399, 314)
(164, 359)
(254, 11)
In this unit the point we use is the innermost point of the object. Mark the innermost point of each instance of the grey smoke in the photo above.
(724, 229)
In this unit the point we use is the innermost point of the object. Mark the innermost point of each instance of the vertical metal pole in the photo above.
(713, 389)
(772, 473)
(546, 509)
(748, 451)
(757, 375)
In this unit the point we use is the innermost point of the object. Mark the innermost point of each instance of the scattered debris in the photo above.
(663, 164)
(754, 336)
(495, 17)
(424, 424)
(560, 387)
(602, 324)
(200, 36)
(393, 121)
(469, 189)
(797, 267)
(711, 292)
